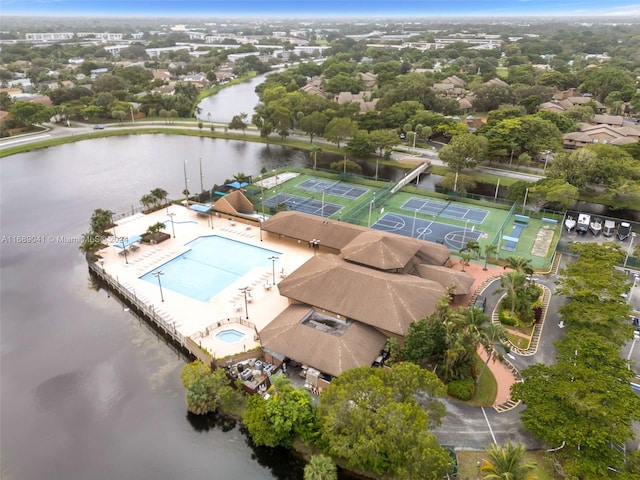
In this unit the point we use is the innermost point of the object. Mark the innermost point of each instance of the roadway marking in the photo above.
(25, 139)
(489, 425)
(633, 344)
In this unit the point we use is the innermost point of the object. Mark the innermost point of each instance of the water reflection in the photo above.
(211, 421)
(284, 463)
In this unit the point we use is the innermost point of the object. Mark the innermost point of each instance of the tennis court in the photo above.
(450, 235)
(338, 189)
(305, 205)
(445, 209)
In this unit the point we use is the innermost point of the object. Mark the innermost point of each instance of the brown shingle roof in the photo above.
(358, 345)
(613, 120)
(387, 301)
(447, 277)
(307, 227)
(234, 203)
(337, 235)
(384, 252)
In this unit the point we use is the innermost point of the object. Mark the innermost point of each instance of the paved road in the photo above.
(432, 155)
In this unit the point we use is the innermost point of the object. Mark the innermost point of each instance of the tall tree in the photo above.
(371, 418)
(340, 129)
(238, 122)
(464, 151)
(206, 390)
(31, 113)
(286, 413)
(314, 124)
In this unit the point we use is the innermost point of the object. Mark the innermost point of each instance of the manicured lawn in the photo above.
(518, 341)
(487, 388)
(468, 464)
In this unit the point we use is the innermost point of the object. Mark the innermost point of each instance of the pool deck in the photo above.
(203, 320)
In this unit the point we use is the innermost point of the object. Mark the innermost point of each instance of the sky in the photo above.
(320, 8)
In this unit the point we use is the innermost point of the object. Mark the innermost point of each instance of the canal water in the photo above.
(87, 390)
(230, 101)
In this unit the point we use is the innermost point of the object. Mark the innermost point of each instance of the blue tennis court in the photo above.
(453, 237)
(338, 189)
(305, 205)
(445, 209)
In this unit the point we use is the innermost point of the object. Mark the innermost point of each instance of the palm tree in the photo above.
(147, 200)
(520, 264)
(507, 463)
(512, 282)
(489, 250)
(465, 259)
(474, 247)
(160, 194)
(320, 467)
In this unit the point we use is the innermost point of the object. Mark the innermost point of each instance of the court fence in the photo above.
(358, 210)
(496, 239)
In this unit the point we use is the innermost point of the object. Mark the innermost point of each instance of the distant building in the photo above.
(49, 36)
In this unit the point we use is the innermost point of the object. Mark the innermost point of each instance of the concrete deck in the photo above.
(203, 320)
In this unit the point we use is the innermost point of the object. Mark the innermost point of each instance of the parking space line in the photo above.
(489, 425)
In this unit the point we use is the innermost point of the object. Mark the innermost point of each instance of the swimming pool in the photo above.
(230, 336)
(211, 265)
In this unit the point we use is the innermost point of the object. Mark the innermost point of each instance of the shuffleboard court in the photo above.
(445, 209)
(338, 189)
(453, 237)
(305, 205)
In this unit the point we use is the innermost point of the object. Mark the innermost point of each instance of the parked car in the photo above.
(98, 127)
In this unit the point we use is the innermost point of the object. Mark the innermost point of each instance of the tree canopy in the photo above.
(371, 418)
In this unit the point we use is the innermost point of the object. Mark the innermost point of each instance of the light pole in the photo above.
(464, 234)
(261, 195)
(524, 204)
(131, 109)
(377, 168)
(245, 291)
(201, 179)
(315, 244)
(322, 210)
(546, 161)
(186, 188)
(273, 259)
(413, 228)
(173, 230)
(158, 274)
(124, 250)
(373, 201)
(626, 258)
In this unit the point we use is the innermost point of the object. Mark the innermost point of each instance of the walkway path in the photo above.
(505, 375)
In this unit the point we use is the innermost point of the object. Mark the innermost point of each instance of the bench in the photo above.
(547, 222)
(521, 219)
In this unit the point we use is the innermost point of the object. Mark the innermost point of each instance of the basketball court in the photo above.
(450, 235)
